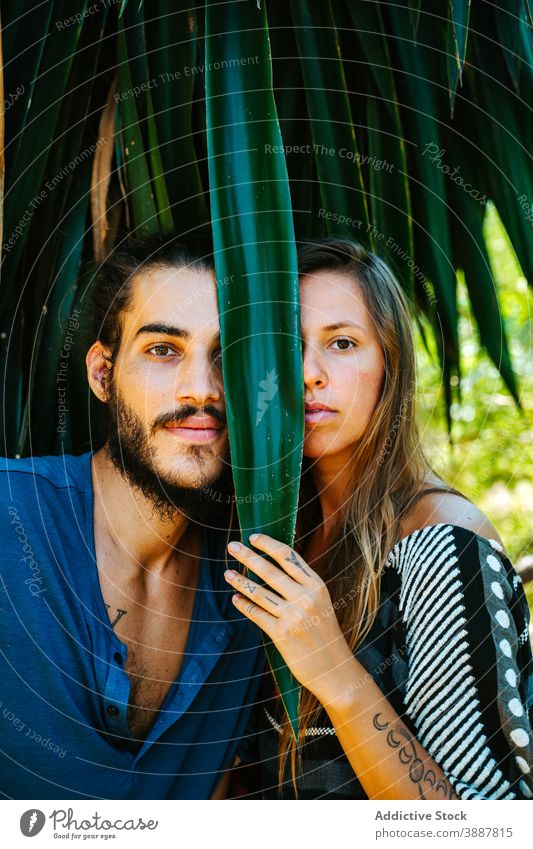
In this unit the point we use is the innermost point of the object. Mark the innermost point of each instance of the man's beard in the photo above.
(128, 447)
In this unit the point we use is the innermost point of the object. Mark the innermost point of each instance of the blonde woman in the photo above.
(398, 610)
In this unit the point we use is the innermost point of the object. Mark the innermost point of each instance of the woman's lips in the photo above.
(196, 430)
(318, 415)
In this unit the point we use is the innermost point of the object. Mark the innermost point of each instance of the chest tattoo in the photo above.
(118, 617)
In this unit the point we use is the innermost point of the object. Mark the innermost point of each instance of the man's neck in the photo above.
(140, 538)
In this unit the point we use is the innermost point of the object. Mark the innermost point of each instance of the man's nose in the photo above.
(198, 381)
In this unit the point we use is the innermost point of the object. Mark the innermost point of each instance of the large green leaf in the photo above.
(51, 362)
(293, 117)
(337, 157)
(136, 161)
(421, 90)
(73, 145)
(460, 15)
(471, 255)
(505, 142)
(132, 38)
(415, 7)
(25, 27)
(457, 42)
(24, 175)
(13, 341)
(514, 33)
(390, 198)
(257, 283)
(170, 34)
(68, 153)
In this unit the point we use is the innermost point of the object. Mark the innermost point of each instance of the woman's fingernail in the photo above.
(229, 573)
(254, 537)
(234, 546)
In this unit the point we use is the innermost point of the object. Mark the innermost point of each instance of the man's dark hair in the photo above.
(112, 288)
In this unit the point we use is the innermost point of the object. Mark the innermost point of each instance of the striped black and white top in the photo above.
(450, 650)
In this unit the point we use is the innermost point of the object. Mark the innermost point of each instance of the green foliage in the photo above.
(491, 458)
(398, 123)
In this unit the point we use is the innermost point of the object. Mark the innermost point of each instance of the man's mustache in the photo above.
(184, 413)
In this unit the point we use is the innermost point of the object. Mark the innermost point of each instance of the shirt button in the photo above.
(118, 657)
(112, 710)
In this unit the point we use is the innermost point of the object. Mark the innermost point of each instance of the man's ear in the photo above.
(99, 365)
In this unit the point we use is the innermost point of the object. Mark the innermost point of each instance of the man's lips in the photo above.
(196, 429)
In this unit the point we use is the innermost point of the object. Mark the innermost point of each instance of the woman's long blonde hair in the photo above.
(390, 465)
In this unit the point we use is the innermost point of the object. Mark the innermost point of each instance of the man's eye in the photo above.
(344, 344)
(161, 351)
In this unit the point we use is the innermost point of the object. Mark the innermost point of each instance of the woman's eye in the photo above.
(161, 351)
(344, 344)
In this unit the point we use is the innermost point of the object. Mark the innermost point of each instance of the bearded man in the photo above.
(125, 671)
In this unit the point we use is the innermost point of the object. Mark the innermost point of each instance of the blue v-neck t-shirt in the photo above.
(64, 691)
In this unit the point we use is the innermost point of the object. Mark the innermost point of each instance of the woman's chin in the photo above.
(316, 447)
(319, 446)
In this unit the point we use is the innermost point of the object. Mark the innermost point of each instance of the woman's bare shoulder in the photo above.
(437, 507)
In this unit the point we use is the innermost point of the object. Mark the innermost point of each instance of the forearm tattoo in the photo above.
(118, 617)
(401, 739)
(295, 562)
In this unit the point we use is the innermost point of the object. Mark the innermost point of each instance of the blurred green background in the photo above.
(491, 458)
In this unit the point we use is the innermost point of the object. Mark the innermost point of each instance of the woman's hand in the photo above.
(294, 609)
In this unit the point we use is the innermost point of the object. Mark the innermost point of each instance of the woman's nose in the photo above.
(314, 371)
